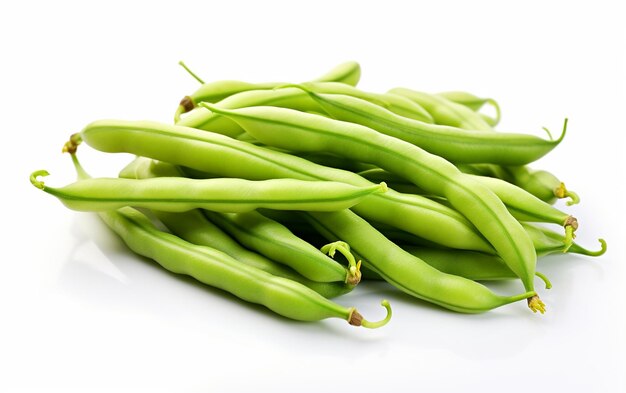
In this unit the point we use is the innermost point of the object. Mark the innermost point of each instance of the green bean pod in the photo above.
(474, 103)
(454, 144)
(215, 268)
(406, 272)
(347, 73)
(223, 156)
(472, 265)
(223, 195)
(194, 227)
(294, 130)
(277, 242)
(294, 98)
(444, 111)
(520, 203)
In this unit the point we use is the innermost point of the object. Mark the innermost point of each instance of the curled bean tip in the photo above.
(574, 198)
(562, 192)
(602, 248)
(597, 253)
(383, 186)
(373, 325)
(34, 178)
(563, 132)
(535, 304)
(495, 106)
(545, 279)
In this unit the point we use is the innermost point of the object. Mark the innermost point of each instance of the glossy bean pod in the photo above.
(298, 131)
(405, 271)
(454, 144)
(224, 195)
(215, 154)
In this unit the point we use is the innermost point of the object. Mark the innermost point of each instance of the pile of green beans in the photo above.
(257, 186)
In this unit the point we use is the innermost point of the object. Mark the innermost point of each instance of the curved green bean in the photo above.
(406, 272)
(454, 144)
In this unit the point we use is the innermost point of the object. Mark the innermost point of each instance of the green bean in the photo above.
(294, 99)
(520, 203)
(215, 268)
(472, 265)
(406, 272)
(541, 184)
(545, 241)
(443, 111)
(347, 73)
(311, 266)
(394, 103)
(224, 195)
(294, 130)
(454, 144)
(474, 103)
(223, 156)
(277, 242)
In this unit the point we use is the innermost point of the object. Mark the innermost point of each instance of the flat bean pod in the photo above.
(224, 195)
(294, 130)
(405, 271)
(215, 268)
(454, 144)
(215, 154)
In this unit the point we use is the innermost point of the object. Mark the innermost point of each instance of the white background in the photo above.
(82, 314)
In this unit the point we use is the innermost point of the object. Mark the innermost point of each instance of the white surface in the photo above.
(82, 314)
